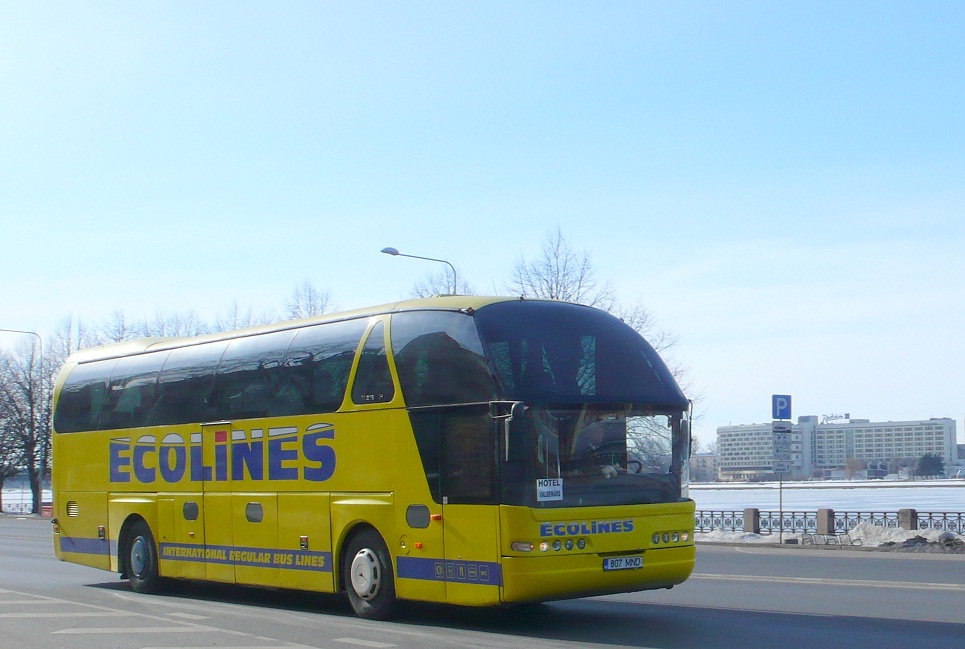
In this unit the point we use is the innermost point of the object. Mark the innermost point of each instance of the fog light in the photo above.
(557, 545)
(569, 544)
(676, 537)
(544, 546)
(581, 544)
(656, 539)
(521, 546)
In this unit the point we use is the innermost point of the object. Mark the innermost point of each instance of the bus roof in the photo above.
(140, 345)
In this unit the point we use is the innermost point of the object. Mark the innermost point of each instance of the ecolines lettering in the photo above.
(584, 528)
(286, 456)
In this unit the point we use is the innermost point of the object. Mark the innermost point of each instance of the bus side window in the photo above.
(82, 397)
(373, 382)
(320, 361)
(440, 359)
(470, 455)
(130, 395)
(252, 380)
(185, 385)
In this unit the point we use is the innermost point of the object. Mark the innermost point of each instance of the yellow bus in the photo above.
(469, 450)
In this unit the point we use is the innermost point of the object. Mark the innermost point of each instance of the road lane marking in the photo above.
(189, 616)
(137, 629)
(817, 581)
(59, 615)
(365, 643)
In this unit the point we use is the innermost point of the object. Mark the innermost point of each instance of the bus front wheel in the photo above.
(369, 583)
(142, 568)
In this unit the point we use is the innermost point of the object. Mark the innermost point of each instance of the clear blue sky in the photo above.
(782, 184)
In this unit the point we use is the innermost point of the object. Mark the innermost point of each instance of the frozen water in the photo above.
(863, 496)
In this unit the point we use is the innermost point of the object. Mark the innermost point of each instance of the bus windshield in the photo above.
(585, 456)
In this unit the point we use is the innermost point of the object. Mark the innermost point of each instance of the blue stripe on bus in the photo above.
(252, 557)
(78, 545)
(467, 572)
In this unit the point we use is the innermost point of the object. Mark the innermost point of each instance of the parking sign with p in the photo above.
(781, 406)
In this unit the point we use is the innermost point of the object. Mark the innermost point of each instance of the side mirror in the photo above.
(516, 433)
(685, 433)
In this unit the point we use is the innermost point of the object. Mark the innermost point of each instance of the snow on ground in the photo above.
(870, 536)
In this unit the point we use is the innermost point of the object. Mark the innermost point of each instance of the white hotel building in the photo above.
(747, 451)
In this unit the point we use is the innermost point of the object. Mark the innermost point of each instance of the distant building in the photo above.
(852, 448)
(703, 467)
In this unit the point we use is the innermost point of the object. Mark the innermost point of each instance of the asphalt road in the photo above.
(738, 597)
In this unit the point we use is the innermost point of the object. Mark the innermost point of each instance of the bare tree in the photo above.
(25, 387)
(306, 301)
(70, 336)
(118, 327)
(174, 324)
(233, 317)
(852, 467)
(9, 456)
(561, 273)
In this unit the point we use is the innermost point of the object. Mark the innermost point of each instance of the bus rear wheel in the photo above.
(369, 583)
(142, 567)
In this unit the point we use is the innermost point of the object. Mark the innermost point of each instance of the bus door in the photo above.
(254, 518)
(469, 513)
(181, 517)
(215, 443)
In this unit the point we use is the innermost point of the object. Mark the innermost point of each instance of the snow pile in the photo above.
(722, 536)
(876, 535)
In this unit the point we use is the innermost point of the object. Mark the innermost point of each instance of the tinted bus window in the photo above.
(373, 382)
(562, 353)
(185, 385)
(320, 360)
(82, 397)
(252, 382)
(440, 359)
(132, 390)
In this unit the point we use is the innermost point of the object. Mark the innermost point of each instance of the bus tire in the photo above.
(141, 559)
(369, 583)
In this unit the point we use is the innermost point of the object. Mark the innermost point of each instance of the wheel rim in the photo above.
(366, 574)
(138, 556)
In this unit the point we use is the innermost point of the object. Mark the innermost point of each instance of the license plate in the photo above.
(622, 563)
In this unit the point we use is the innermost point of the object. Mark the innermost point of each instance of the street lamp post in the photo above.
(395, 253)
